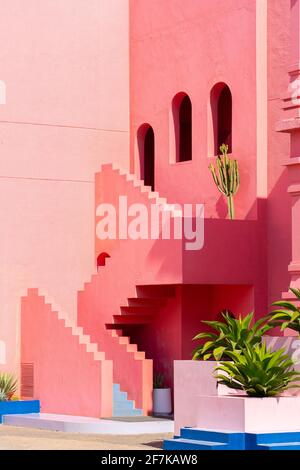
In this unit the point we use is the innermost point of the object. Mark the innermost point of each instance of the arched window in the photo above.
(182, 117)
(145, 137)
(101, 259)
(221, 113)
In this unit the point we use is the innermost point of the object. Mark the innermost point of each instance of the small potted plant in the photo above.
(9, 402)
(8, 386)
(162, 402)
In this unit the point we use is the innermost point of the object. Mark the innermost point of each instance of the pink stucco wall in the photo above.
(74, 70)
(173, 50)
(194, 51)
(65, 65)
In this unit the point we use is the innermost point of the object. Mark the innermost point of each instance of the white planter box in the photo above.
(247, 414)
(162, 401)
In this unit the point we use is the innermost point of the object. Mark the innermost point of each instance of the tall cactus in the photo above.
(226, 177)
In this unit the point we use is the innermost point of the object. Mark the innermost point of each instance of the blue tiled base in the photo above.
(19, 407)
(121, 405)
(200, 439)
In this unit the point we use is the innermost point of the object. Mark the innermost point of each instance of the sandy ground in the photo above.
(15, 438)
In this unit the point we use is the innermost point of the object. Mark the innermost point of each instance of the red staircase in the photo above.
(70, 374)
(141, 309)
(107, 304)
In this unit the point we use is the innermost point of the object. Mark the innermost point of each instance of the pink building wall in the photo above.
(194, 51)
(74, 70)
(66, 69)
(171, 52)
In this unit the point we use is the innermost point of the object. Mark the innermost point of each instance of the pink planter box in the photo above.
(245, 414)
(199, 402)
(191, 379)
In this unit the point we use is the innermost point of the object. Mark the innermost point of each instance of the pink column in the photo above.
(291, 124)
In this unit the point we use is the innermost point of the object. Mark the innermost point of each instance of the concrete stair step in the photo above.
(84, 339)
(140, 355)
(124, 404)
(153, 195)
(155, 291)
(121, 405)
(120, 396)
(126, 413)
(78, 332)
(82, 424)
(128, 310)
(115, 333)
(146, 302)
(190, 444)
(99, 356)
(92, 347)
(126, 320)
(229, 437)
(124, 339)
(133, 348)
(274, 437)
(280, 446)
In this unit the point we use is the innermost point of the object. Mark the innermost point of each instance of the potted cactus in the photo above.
(226, 177)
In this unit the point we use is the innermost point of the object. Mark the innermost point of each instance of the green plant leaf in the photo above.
(218, 352)
(206, 357)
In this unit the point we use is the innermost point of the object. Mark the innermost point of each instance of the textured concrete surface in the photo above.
(12, 438)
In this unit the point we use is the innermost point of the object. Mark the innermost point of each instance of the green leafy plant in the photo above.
(159, 381)
(288, 315)
(3, 396)
(258, 371)
(232, 334)
(226, 177)
(8, 386)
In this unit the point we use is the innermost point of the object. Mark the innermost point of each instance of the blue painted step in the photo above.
(201, 439)
(270, 440)
(235, 440)
(121, 405)
(280, 446)
(190, 444)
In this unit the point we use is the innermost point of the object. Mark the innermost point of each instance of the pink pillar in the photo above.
(291, 124)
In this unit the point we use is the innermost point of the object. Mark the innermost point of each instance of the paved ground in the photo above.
(15, 438)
